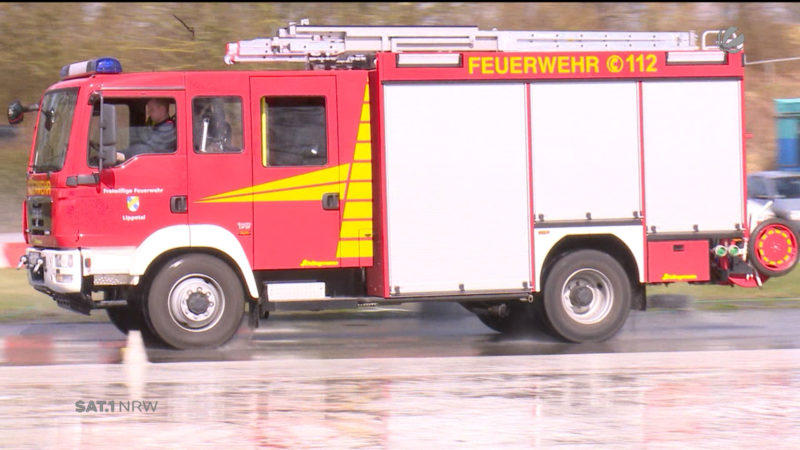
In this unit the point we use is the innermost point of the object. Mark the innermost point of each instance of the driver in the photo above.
(160, 136)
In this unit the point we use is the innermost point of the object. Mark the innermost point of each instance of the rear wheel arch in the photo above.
(606, 243)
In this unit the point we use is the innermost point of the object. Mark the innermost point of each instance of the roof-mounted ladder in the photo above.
(349, 45)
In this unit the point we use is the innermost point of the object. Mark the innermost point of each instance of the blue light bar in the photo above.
(97, 65)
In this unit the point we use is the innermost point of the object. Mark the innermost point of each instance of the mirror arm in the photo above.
(100, 147)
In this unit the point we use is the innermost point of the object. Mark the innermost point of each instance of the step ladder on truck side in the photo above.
(352, 46)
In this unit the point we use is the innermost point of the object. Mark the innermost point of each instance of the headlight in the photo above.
(794, 215)
(64, 261)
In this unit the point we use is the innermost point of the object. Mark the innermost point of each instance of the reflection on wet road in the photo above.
(671, 379)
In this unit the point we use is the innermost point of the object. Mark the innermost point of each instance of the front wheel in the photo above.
(125, 318)
(587, 296)
(195, 301)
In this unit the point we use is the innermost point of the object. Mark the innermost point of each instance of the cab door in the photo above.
(219, 164)
(296, 173)
(134, 197)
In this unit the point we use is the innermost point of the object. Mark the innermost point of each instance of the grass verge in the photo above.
(20, 302)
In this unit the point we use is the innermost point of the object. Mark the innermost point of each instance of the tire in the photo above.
(125, 318)
(773, 248)
(195, 301)
(587, 296)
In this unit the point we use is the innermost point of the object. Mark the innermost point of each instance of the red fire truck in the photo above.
(540, 179)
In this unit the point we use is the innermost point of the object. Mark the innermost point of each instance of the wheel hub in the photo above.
(587, 296)
(581, 296)
(198, 302)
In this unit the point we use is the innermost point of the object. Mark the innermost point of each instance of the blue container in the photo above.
(787, 133)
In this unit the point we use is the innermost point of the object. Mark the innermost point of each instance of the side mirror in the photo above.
(108, 135)
(16, 111)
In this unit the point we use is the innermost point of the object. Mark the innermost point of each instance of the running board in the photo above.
(329, 303)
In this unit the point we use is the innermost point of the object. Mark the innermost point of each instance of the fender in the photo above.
(193, 236)
(632, 236)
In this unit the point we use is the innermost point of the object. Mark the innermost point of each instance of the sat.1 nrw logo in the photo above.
(133, 203)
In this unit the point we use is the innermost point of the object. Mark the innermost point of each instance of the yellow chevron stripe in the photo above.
(359, 190)
(323, 176)
(313, 193)
(365, 112)
(362, 171)
(354, 249)
(364, 133)
(363, 152)
(356, 229)
(357, 210)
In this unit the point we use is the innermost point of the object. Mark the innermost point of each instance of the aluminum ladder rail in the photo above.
(304, 43)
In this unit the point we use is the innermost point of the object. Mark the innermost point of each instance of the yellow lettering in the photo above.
(487, 66)
(563, 64)
(578, 64)
(473, 63)
(501, 68)
(674, 277)
(307, 263)
(516, 64)
(591, 64)
(651, 63)
(547, 63)
(529, 64)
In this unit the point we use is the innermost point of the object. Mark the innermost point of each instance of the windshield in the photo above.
(52, 137)
(788, 187)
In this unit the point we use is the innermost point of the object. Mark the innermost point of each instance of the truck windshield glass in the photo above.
(52, 136)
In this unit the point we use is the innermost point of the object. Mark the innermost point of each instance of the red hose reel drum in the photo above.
(773, 248)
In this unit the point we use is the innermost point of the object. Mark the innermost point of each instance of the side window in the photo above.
(217, 124)
(143, 125)
(293, 131)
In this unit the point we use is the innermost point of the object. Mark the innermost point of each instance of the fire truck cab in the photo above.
(538, 179)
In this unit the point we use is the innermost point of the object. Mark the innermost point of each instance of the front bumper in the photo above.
(65, 276)
(54, 271)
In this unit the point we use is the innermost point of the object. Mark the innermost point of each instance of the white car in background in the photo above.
(774, 194)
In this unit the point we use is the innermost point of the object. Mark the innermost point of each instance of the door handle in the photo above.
(330, 201)
(178, 204)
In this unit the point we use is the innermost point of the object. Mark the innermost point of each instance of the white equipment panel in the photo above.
(458, 203)
(693, 155)
(585, 150)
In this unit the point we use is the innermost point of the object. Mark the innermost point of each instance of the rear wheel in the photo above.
(195, 301)
(773, 248)
(587, 296)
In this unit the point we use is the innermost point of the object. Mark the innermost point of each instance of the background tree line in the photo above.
(40, 38)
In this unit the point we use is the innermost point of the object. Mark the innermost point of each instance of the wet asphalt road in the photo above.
(444, 330)
(673, 378)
